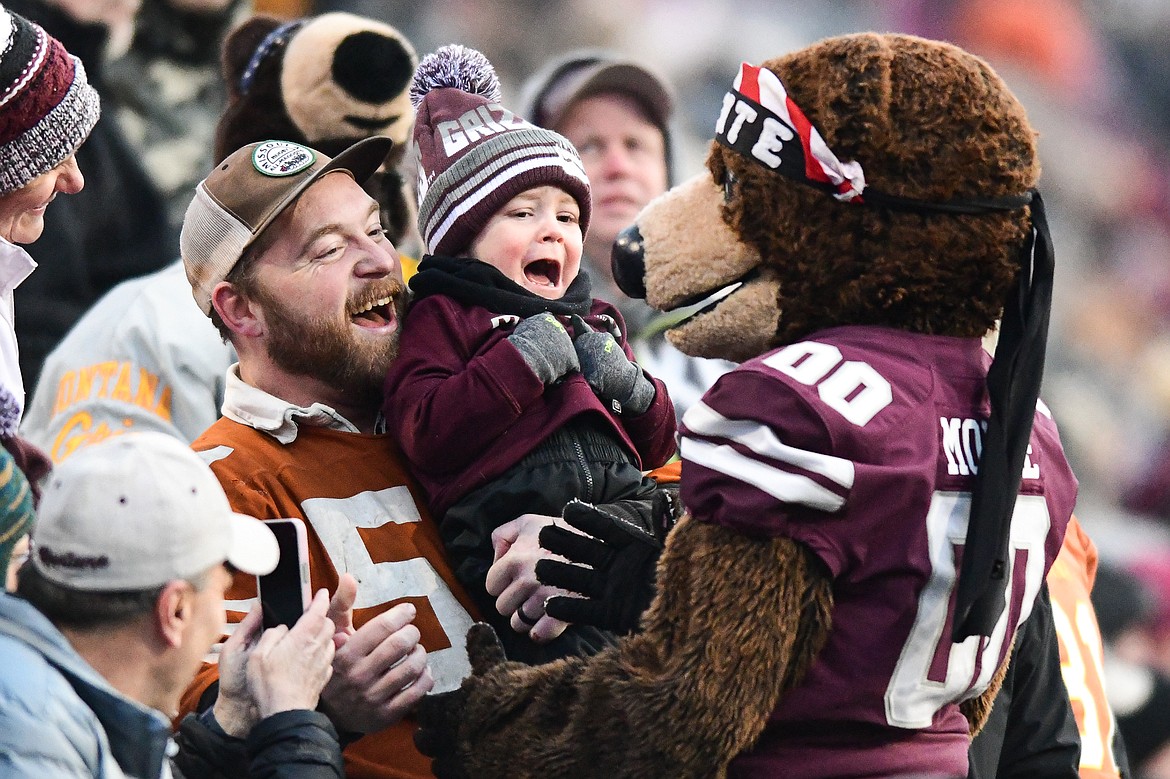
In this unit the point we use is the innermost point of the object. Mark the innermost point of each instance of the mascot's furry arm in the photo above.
(611, 559)
(723, 639)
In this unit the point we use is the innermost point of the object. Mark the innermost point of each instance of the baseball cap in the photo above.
(584, 73)
(136, 511)
(247, 192)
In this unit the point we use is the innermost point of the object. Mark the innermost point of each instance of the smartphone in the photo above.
(284, 593)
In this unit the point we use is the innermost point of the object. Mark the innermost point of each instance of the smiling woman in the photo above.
(47, 110)
(22, 213)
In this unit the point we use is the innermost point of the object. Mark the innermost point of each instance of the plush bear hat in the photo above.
(474, 155)
(47, 107)
(325, 82)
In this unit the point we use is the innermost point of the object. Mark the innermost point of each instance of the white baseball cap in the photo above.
(136, 511)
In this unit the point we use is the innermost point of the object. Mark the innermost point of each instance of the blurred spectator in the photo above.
(47, 110)
(167, 92)
(1138, 692)
(1153, 573)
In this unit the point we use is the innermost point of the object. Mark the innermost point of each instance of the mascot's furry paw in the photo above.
(440, 716)
(438, 722)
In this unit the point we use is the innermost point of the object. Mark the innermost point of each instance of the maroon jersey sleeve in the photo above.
(770, 450)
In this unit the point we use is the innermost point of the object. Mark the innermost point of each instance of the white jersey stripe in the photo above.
(703, 420)
(240, 606)
(784, 486)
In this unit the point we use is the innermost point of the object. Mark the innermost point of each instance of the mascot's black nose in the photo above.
(372, 67)
(629, 263)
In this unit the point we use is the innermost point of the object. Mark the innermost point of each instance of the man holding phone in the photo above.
(119, 600)
(285, 253)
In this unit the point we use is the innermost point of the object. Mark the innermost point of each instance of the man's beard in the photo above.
(324, 347)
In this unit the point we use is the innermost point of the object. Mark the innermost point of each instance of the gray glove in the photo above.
(609, 372)
(545, 345)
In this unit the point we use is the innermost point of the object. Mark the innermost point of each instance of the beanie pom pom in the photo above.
(455, 67)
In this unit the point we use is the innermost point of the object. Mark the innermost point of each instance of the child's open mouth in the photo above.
(545, 273)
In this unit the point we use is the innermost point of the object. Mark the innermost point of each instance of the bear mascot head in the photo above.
(843, 594)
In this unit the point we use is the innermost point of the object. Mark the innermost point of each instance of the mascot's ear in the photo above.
(348, 76)
(239, 46)
(255, 111)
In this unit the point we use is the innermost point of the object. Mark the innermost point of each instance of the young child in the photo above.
(513, 391)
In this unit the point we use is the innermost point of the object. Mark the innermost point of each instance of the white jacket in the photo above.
(143, 358)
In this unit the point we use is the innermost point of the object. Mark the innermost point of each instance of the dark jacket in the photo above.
(1031, 732)
(114, 229)
(300, 744)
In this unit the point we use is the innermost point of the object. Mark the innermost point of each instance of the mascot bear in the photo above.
(872, 500)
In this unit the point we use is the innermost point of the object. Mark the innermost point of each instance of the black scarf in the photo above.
(473, 282)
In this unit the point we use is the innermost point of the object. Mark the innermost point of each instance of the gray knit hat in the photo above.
(474, 155)
(47, 108)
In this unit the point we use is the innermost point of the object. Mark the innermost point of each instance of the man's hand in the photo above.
(287, 669)
(379, 671)
(341, 609)
(283, 670)
(235, 709)
(512, 577)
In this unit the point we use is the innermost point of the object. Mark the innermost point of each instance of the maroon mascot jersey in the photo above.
(862, 443)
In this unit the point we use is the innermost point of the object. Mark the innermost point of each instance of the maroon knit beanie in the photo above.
(475, 155)
(47, 108)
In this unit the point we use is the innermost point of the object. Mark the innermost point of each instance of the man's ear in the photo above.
(173, 611)
(237, 310)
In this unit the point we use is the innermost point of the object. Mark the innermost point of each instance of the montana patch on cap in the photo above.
(282, 158)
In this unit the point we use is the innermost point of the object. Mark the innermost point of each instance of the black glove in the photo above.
(609, 372)
(439, 716)
(621, 548)
(546, 346)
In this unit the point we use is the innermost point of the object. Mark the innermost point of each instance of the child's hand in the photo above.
(611, 374)
(546, 346)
